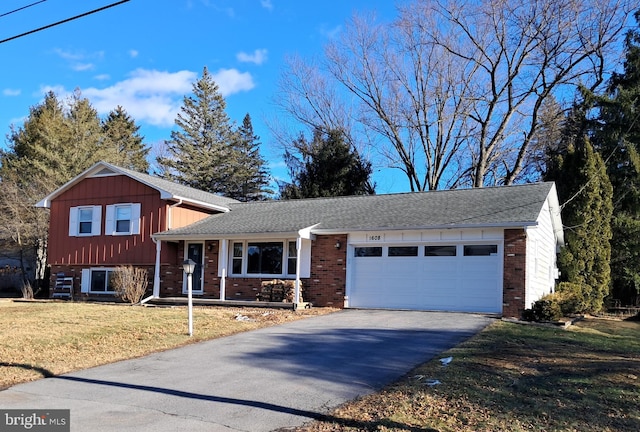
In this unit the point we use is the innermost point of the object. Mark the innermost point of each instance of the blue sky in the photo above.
(145, 55)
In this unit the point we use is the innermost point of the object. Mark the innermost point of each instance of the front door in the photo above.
(195, 253)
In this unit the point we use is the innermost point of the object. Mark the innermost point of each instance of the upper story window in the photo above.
(123, 219)
(85, 221)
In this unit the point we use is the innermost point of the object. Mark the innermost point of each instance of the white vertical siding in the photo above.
(541, 258)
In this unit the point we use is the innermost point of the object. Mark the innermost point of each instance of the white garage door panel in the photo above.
(460, 283)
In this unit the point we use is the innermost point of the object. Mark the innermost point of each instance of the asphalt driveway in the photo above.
(255, 381)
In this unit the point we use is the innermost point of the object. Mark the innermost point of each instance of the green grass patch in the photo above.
(514, 377)
(43, 339)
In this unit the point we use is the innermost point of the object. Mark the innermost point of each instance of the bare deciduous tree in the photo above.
(24, 226)
(453, 89)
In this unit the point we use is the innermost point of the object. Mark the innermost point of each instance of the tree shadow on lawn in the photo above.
(46, 373)
(554, 380)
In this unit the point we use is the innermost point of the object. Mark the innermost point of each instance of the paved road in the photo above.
(255, 381)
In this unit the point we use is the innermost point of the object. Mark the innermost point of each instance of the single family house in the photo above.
(489, 250)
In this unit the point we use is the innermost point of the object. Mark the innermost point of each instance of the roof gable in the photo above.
(168, 189)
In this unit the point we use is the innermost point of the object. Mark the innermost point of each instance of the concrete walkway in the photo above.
(255, 381)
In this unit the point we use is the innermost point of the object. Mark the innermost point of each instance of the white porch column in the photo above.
(224, 262)
(156, 273)
(296, 291)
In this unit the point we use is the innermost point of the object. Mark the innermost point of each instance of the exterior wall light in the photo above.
(338, 244)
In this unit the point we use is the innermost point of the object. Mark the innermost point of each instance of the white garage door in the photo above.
(453, 277)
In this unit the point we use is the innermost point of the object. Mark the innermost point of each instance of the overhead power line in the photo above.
(63, 21)
(22, 8)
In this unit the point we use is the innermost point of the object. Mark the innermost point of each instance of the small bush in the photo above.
(130, 283)
(573, 298)
(545, 309)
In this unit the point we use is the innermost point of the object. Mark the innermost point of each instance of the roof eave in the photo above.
(169, 196)
(502, 225)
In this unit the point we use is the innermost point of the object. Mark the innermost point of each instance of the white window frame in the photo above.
(85, 281)
(305, 261)
(111, 222)
(74, 221)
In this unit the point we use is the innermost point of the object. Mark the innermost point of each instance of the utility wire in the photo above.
(63, 21)
(22, 8)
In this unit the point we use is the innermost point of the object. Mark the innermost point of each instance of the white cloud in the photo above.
(80, 67)
(153, 96)
(330, 33)
(267, 4)
(133, 53)
(102, 77)
(258, 57)
(11, 92)
(79, 61)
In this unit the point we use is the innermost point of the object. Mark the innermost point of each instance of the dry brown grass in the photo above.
(513, 377)
(42, 339)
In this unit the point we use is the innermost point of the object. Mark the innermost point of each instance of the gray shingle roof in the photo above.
(176, 190)
(168, 189)
(495, 206)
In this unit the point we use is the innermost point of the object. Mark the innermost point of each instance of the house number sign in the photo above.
(375, 237)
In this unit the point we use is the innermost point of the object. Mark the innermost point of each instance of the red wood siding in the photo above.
(109, 250)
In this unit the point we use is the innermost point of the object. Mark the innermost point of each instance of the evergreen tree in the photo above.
(617, 135)
(250, 178)
(200, 154)
(586, 193)
(38, 147)
(55, 143)
(122, 139)
(326, 167)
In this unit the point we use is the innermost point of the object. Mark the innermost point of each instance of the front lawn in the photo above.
(514, 377)
(43, 339)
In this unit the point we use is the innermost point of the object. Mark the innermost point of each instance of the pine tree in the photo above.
(617, 136)
(326, 167)
(55, 143)
(200, 153)
(122, 140)
(250, 178)
(585, 192)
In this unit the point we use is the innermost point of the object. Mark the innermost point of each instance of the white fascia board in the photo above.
(556, 219)
(168, 196)
(305, 233)
(428, 227)
(241, 236)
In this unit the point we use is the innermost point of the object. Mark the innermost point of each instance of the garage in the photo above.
(444, 276)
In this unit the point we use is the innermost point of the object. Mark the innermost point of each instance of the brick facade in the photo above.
(513, 290)
(327, 284)
(325, 287)
(75, 271)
